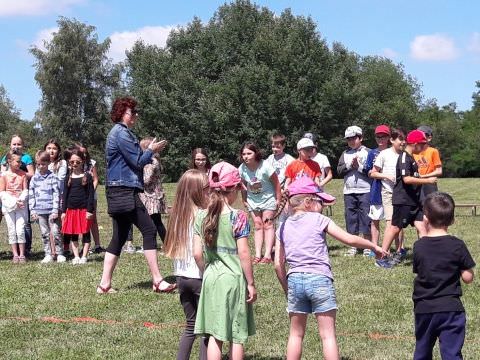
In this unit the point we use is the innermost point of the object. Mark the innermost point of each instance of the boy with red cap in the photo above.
(376, 213)
(429, 163)
(407, 208)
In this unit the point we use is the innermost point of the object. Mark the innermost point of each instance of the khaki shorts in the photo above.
(387, 204)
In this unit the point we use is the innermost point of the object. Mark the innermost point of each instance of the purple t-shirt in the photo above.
(303, 237)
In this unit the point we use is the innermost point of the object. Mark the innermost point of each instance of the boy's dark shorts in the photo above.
(404, 215)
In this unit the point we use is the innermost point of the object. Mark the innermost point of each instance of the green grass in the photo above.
(374, 321)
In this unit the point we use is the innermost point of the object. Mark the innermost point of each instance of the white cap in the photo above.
(304, 143)
(353, 131)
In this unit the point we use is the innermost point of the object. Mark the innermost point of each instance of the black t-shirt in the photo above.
(406, 194)
(438, 262)
(78, 196)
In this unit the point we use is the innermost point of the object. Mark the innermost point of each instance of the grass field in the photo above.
(51, 311)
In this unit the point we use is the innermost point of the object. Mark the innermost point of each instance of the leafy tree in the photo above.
(77, 80)
(248, 72)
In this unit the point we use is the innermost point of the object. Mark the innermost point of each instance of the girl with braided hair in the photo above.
(221, 251)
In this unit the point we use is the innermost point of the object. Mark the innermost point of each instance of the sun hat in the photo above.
(305, 143)
(223, 175)
(311, 136)
(416, 137)
(353, 131)
(382, 129)
(305, 185)
(426, 129)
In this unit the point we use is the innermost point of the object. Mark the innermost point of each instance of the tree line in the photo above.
(240, 76)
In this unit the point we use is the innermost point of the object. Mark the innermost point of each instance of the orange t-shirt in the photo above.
(428, 160)
(298, 168)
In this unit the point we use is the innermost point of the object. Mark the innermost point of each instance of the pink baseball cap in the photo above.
(225, 174)
(305, 185)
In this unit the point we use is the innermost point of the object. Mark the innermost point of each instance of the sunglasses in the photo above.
(75, 162)
(132, 112)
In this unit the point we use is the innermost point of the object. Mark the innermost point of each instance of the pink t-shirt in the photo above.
(303, 237)
(14, 182)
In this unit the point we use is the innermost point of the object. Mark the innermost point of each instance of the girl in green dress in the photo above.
(221, 251)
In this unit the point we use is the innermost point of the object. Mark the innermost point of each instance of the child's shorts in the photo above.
(404, 215)
(387, 204)
(310, 293)
(376, 212)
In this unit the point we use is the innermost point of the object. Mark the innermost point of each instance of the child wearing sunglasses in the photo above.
(77, 206)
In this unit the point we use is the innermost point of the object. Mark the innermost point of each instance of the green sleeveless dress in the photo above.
(222, 309)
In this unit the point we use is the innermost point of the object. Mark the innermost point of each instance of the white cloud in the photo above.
(389, 53)
(435, 47)
(44, 35)
(35, 7)
(152, 35)
(474, 45)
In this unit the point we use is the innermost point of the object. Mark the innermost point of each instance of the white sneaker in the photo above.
(129, 249)
(61, 259)
(83, 260)
(76, 261)
(351, 252)
(140, 251)
(47, 259)
(366, 252)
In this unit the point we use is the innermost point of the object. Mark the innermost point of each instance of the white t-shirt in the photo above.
(323, 162)
(187, 267)
(279, 164)
(386, 161)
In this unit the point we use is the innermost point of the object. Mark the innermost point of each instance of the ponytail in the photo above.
(281, 206)
(210, 223)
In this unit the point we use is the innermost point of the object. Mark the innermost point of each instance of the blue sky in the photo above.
(438, 42)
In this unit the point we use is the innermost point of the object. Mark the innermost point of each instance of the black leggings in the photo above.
(157, 221)
(189, 290)
(67, 238)
(122, 224)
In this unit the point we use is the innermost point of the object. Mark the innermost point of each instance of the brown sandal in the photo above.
(105, 290)
(169, 289)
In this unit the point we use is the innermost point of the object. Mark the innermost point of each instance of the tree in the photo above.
(77, 81)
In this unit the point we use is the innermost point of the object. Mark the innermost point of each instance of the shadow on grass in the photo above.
(148, 284)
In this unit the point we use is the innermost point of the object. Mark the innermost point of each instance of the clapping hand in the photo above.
(157, 146)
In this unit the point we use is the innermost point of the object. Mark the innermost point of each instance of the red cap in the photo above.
(416, 137)
(382, 129)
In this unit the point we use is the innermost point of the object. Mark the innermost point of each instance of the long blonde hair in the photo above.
(188, 197)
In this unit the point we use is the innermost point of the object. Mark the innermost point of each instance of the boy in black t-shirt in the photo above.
(440, 260)
(407, 209)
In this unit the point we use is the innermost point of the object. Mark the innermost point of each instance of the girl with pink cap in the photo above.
(308, 284)
(221, 251)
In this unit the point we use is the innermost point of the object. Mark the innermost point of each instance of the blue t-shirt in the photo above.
(25, 159)
(260, 189)
(376, 188)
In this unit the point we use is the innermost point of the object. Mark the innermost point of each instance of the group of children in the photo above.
(59, 195)
(208, 238)
(209, 244)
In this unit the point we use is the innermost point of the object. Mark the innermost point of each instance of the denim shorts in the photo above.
(310, 293)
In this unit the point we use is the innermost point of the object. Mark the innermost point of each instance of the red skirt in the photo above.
(75, 222)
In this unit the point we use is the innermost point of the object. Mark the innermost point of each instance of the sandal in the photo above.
(169, 289)
(105, 290)
(15, 260)
(266, 260)
(256, 260)
(22, 259)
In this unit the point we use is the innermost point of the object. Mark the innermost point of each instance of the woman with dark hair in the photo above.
(200, 160)
(124, 180)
